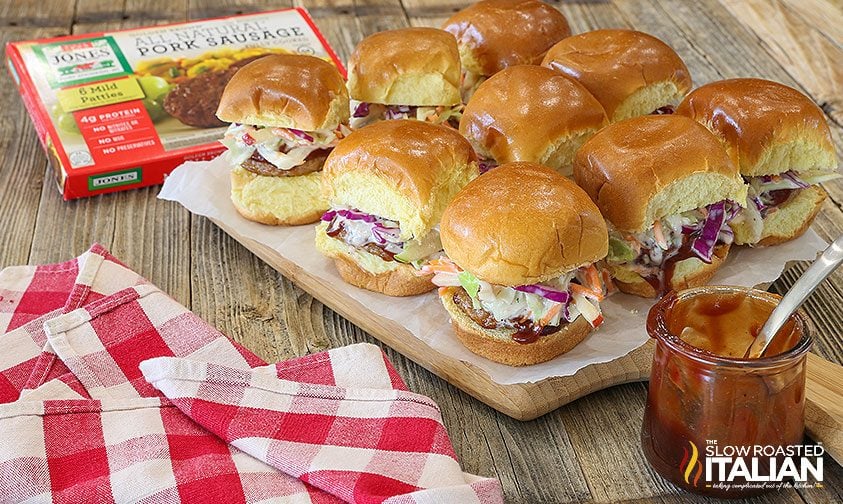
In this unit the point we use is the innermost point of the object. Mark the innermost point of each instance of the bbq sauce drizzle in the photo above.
(526, 331)
(664, 278)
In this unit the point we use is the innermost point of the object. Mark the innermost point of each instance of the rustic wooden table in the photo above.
(586, 451)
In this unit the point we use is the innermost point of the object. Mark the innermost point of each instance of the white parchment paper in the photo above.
(203, 188)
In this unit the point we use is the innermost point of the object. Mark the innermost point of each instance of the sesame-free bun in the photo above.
(402, 170)
(286, 91)
(631, 73)
(649, 167)
(522, 223)
(497, 344)
(497, 34)
(770, 128)
(278, 201)
(687, 273)
(531, 113)
(408, 66)
(790, 219)
(362, 269)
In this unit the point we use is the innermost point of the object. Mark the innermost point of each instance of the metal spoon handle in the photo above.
(807, 283)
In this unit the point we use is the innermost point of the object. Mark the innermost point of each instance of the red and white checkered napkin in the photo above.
(82, 423)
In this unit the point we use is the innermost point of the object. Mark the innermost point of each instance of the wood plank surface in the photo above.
(588, 451)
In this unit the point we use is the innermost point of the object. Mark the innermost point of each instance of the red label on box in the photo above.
(118, 133)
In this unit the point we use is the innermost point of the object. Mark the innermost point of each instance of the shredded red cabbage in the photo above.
(546, 292)
(356, 215)
(362, 110)
(704, 243)
(350, 215)
(301, 134)
(486, 165)
(793, 178)
(384, 235)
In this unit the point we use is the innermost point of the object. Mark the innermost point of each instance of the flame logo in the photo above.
(691, 464)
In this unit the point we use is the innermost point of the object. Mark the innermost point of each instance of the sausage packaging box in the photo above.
(119, 110)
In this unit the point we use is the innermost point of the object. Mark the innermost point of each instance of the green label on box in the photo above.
(114, 179)
(99, 94)
(81, 61)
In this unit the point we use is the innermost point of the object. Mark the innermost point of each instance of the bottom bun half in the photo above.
(364, 270)
(789, 221)
(278, 201)
(497, 344)
(687, 274)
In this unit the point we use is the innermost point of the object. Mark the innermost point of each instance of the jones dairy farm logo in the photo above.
(752, 467)
(80, 61)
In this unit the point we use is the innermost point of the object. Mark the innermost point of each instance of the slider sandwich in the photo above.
(530, 113)
(631, 73)
(519, 279)
(387, 185)
(668, 190)
(410, 73)
(287, 111)
(783, 147)
(497, 34)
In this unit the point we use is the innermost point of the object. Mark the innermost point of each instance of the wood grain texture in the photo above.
(587, 451)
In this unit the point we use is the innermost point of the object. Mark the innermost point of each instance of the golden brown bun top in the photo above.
(613, 64)
(519, 112)
(758, 118)
(403, 170)
(505, 33)
(408, 66)
(649, 167)
(286, 91)
(522, 223)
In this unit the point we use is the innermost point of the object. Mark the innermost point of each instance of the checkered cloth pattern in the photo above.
(113, 392)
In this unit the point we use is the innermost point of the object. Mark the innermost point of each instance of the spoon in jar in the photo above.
(819, 270)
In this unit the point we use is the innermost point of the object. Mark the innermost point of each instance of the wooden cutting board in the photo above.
(526, 401)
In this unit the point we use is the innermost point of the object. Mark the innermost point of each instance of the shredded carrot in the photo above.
(586, 291)
(607, 281)
(552, 312)
(593, 278)
(659, 234)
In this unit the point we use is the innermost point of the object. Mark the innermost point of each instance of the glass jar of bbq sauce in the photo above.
(707, 404)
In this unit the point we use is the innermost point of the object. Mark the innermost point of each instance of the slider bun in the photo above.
(496, 34)
(769, 127)
(649, 167)
(409, 66)
(631, 73)
(687, 274)
(497, 344)
(522, 223)
(530, 113)
(278, 201)
(367, 271)
(789, 221)
(286, 91)
(402, 170)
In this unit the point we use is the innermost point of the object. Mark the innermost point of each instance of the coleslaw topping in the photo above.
(767, 193)
(379, 236)
(285, 148)
(364, 113)
(552, 303)
(700, 231)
